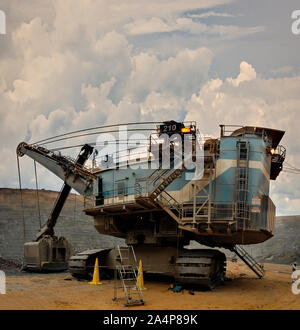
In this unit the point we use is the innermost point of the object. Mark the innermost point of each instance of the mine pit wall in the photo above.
(73, 224)
(78, 228)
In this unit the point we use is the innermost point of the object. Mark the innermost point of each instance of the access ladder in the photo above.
(127, 275)
(249, 260)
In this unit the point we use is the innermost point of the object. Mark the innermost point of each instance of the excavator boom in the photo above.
(49, 252)
(71, 171)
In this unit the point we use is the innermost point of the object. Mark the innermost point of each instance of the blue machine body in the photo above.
(230, 204)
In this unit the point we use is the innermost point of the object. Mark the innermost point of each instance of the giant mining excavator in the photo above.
(160, 186)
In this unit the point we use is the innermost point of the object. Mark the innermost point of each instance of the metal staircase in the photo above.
(190, 213)
(127, 274)
(170, 205)
(164, 178)
(249, 260)
(199, 209)
(156, 193)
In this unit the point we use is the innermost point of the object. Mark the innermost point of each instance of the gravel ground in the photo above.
(242, 291)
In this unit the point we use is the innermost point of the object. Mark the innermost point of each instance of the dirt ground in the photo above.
(242, 291)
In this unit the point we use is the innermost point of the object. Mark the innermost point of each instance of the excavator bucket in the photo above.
(50, 253)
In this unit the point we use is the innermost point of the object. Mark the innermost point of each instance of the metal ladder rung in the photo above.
(132, 293)
(127, 273)
(249, 260)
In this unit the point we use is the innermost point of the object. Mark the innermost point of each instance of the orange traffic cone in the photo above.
(96, 278)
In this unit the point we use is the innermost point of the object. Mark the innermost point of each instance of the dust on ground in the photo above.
(243, 290)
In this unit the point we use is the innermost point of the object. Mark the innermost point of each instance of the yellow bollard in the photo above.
(96, 278)
(140, 278)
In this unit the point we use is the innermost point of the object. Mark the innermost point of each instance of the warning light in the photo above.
(271, 151)
(186, 130)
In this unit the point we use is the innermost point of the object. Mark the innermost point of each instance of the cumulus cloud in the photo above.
(153, 25)
(252, 100)
(210, 14)
(178, 75)
(65, 67)
(283, 70)
(188, 25)
(247, 73)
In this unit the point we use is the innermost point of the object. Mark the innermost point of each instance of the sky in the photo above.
(72, 64)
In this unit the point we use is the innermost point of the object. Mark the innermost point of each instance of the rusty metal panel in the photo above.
(193, 270)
